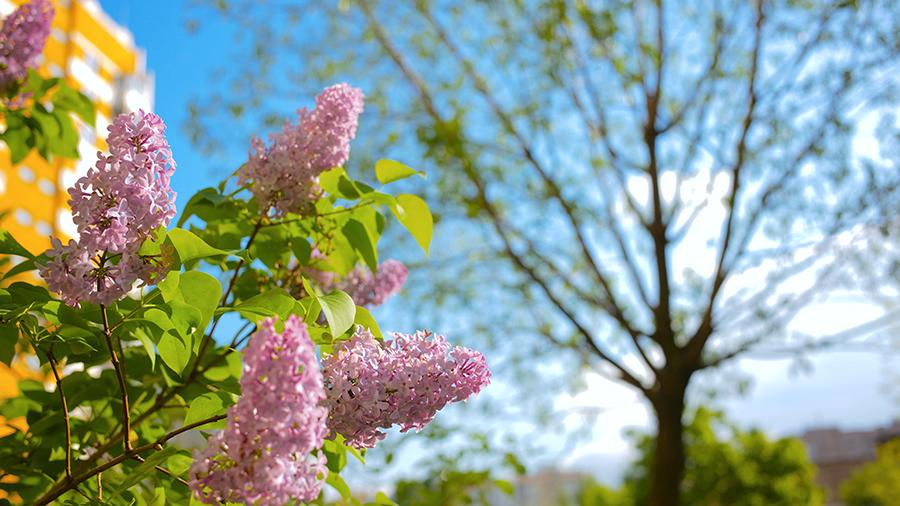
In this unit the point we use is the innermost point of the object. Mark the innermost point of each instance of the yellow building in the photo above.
(98, 57)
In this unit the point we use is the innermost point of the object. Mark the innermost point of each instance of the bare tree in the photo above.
(659, 187)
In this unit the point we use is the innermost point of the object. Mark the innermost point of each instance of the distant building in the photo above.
(97, 56)
(837, 454)
(548, 487)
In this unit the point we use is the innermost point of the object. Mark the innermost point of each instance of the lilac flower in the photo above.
(118, 203)
(374, 385)
(79, 274)
(364, 287)
(116, 206)
(285, 173)
(265, 454)
(22, 39)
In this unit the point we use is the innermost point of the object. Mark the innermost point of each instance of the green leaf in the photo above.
(137, 474)
(381, 499)
(66, 143)
(207, 405)
(273, 302)
(388, 171)
(10, 246)
(365, 318)
(180, 462)
(201, 291)
(271, 246)
(339, 311)
(186, 318)
(19, 140)
(302, 250)
(339, 484)
(190, 247)
(145, 340)
(414, 214)
(68, 99)
(336, 455)
(173, 352)
(505, 486)
(9, 336)
(25, 266)
(362, 242)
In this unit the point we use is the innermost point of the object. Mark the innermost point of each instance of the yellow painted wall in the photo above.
(31, 193)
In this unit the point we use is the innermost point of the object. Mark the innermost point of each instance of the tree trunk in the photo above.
(668, 461)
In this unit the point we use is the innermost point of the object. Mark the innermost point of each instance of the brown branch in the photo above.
(120, 377)
(496, 220)
(527, 152)
(162, 470)
(599, 130)
(697, 87)
(65, 407)
(705, 328)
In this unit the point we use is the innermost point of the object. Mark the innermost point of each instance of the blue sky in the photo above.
(183, 64)
(850, 390)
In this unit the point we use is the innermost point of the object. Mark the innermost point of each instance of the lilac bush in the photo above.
(302, 381)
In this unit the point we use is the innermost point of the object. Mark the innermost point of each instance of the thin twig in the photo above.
(120, 376)
(163, 470)
(135, 310)
(364, 203)
(65, 408)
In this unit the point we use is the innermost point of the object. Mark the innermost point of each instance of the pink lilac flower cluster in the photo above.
(269, 452)
(115, 206)
(374, 385)
(368, 289)
(22, 39)
(285, 173)
(364, 287)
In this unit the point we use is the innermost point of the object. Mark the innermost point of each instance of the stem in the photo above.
(135, 310)
(162, 470)
(208, 337)
(120, 376)
(364, 203)
(65, 408)
(61, 488)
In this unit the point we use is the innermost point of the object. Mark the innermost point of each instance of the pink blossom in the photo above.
(80, 274)
(269, 452)
(364, 287)
(116, 206)
(285, 173)
(22, 39)
(118, 203)
(373, 385)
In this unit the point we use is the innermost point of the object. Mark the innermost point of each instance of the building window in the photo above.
(47, 187)
(92, 61)
(26, 174)
(43, 228)
(23, 217)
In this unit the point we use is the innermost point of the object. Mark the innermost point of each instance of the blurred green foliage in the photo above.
(38, 116)
(876, 483)
(744, 468)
